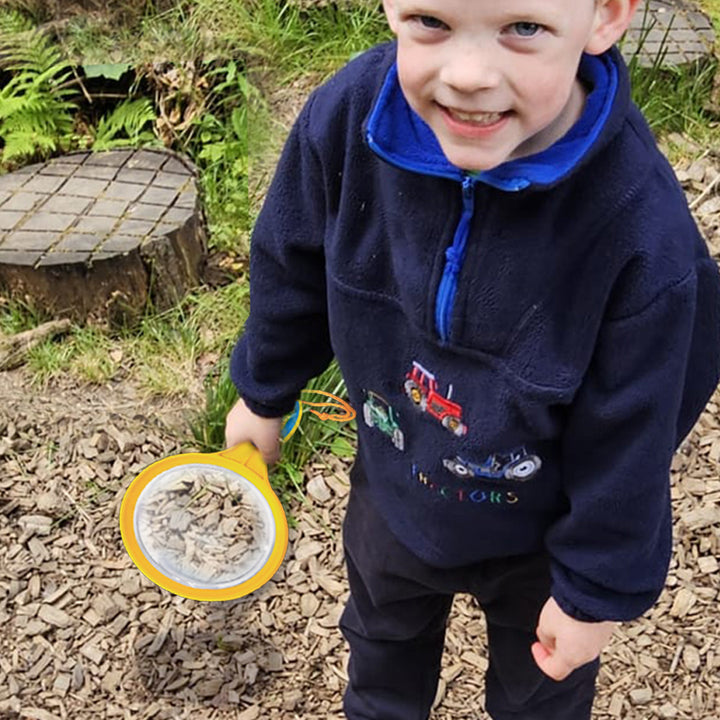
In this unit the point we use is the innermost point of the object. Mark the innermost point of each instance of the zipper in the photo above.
(454, 256)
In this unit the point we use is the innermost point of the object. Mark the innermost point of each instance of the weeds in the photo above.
(126, 126)
(673, 98)
(313, 438)
(220, 145)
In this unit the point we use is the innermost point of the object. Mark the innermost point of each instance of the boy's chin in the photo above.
(474, 162)
(475, 167)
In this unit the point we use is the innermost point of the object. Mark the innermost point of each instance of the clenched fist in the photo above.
(242, 425)
(566, 643)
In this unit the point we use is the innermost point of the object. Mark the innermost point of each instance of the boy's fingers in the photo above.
(546, 639)
(551, 664)
(235, 437)
(539, 653)
(269, 450)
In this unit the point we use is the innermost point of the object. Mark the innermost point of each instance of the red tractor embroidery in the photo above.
(421, 387)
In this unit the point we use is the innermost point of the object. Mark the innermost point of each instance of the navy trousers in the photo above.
(395, 621)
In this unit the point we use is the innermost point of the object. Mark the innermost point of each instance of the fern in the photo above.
(36, 106)
(125, 125)
(26, 143)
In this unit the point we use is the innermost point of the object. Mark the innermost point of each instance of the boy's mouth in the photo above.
(474, 125)
(481, 119)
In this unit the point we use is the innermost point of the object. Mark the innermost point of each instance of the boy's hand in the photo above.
(242, 425)
(566, 643)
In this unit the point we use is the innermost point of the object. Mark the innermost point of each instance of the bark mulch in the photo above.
(83, 635)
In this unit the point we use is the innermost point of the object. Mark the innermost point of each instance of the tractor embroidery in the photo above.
(422, 388)
(514, 465)
(377, 412)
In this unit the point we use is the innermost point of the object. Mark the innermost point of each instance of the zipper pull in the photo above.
(468, 185)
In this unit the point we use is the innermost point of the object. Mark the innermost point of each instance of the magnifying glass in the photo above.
(208, 526)
(205, 526)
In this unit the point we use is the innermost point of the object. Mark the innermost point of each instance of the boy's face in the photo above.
(497, 80)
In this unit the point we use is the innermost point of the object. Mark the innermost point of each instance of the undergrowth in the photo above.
(675, 99)
(37, 103)
(314, 437)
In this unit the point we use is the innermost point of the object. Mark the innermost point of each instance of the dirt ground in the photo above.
(83, 635)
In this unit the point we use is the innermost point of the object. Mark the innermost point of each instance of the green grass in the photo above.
(290, 41)
(85, 354)
(87, 40)
(16, 316)
(162, 354)
(166, 348)
(677, 99)
(312, 440)
(712, 9)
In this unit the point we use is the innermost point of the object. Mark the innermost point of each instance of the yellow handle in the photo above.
(247, 455)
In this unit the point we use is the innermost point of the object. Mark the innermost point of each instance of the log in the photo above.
(14, 349)
(102, 236)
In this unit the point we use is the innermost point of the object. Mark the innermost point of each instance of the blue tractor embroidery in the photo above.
(514, 465)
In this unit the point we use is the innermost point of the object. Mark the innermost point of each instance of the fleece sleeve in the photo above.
(650, 377)
(286, 339)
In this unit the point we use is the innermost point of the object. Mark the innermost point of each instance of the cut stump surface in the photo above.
(101, 235)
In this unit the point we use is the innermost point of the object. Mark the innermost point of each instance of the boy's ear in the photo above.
(389, 7)
(612, 18)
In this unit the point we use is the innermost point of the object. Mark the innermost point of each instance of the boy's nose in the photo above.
(469, 71)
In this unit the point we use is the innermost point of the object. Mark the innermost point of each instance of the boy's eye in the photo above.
(526, 29)
(430, 23)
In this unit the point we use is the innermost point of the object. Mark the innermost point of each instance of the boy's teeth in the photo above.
(478, 118)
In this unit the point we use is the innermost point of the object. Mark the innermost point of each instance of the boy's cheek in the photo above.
(391, 14)
(411, 63)
(410, 76)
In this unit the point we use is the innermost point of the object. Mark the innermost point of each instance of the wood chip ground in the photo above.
(84, 636)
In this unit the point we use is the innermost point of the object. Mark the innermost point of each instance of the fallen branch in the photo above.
(705, 192)
(13, 349)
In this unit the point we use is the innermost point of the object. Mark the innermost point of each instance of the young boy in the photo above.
(476, 221)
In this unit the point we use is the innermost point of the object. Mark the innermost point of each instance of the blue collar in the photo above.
(399, 135)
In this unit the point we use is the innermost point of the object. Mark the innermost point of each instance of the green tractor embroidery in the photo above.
(377, 412)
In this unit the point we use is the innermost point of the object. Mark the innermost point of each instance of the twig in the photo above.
(82, 86)
(705, 192)
(61, 40)
(676, 658)
(83, 514)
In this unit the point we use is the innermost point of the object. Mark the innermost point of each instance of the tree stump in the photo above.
(101, 236)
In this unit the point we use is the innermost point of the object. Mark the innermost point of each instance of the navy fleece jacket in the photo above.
(525, 347)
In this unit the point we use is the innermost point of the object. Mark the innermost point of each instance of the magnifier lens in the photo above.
(204, 526)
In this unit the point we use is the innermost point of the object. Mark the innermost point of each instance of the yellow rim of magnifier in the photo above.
(243, 459)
